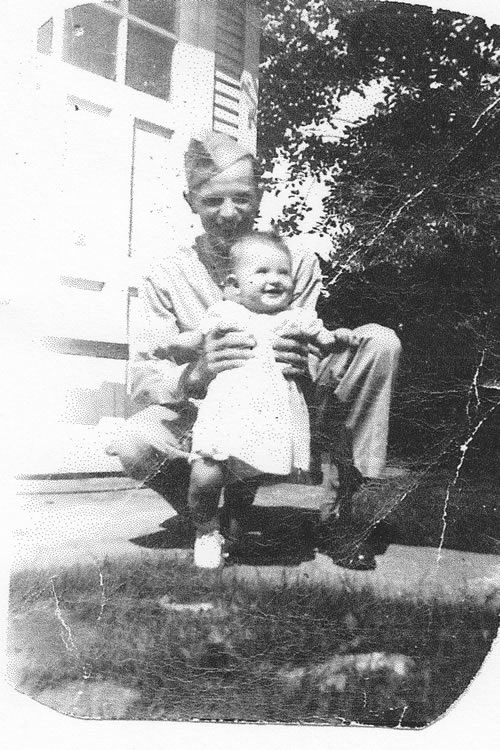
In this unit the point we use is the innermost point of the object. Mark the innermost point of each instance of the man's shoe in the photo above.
(381, 535)
(362, 558)
(342, 539)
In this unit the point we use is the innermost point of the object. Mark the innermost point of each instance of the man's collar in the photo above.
(207, 247)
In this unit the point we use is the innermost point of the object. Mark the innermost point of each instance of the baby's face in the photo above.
(262, 276)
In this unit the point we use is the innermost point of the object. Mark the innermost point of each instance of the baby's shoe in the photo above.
(208, 549)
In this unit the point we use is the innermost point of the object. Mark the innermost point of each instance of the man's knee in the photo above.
(380, 339)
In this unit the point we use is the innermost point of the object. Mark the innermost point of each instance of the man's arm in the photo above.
(308, 287)
(307, 278)
(155, 378)
(293, 349)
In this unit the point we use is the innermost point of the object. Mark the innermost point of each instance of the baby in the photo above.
(253, 420)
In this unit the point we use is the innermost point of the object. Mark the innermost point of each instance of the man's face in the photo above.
(228, 203)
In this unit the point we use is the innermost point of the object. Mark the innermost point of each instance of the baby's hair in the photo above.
(271, 237)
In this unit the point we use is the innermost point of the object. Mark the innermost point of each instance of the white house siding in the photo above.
(105, 194)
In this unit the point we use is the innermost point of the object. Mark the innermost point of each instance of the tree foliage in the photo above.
(413, 190)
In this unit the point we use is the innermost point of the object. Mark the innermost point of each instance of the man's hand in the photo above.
(226, 347)
(291, 347)
(186, 347)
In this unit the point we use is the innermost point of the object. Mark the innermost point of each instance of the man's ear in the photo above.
(189, 198)
(259, 189)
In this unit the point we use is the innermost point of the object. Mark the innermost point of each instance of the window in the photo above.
(127, 41)
(90, 39)
(148, 62)
(157, 12)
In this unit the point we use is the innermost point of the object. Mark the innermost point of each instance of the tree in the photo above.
(413, 190)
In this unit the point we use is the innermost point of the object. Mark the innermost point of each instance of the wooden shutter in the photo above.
(229, 63)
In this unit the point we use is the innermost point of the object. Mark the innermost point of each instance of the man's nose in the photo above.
(228, 209)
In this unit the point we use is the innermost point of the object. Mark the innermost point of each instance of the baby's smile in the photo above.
(274, 290)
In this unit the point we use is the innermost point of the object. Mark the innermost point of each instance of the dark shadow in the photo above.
(172, 536)
(276, 536)
(287, 535)
(279, 536)
(283, 535)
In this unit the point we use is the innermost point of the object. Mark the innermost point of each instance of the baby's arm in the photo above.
(307, 324)
(186, 347)
(310, 328)
(336, 341)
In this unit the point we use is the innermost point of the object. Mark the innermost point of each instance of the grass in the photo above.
(228, 663)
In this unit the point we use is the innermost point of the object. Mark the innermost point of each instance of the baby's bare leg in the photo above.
(205, 486)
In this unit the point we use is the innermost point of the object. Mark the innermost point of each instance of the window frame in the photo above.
(121, 11)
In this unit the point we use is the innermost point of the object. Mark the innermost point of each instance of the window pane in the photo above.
(149, 58)
(90, 36)
(44, 42)
(159, 12)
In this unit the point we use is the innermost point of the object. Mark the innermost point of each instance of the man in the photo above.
(223, 190)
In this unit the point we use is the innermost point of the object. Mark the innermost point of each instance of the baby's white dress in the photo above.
(253, 417)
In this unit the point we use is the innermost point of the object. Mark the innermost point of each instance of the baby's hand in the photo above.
(345, 338)
(338, 340)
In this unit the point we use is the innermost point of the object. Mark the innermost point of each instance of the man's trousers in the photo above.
(349, 403)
